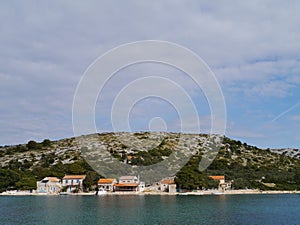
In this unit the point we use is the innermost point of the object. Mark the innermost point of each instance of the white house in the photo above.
(49, 185)
(167, 185)
(73, 182)
(222, 183)
(129, 183)
(107, 184)
(141, 186)
(221, 179)
(128, 179)
(172, 188)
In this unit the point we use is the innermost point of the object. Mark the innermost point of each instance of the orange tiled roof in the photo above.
(217, 177)
(168, 182)
(106, 180)
(74, 177)
(131, 156)
(126, 185)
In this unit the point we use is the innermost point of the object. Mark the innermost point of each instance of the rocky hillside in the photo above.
(246, 166)
(291, 152)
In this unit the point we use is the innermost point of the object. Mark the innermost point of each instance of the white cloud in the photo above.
(253, 47)
(271, 89)
(295, 118)
(259, 71)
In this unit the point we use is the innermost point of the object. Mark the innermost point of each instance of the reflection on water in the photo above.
(147, 209)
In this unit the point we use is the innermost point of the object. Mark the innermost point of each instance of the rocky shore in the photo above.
(208, 192)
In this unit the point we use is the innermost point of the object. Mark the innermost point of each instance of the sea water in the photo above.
(151, 209)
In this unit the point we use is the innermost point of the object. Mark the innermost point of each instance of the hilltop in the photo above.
(291, 152)
(246, 166)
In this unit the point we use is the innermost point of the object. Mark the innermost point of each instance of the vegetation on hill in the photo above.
(24, 165)
(246, 166)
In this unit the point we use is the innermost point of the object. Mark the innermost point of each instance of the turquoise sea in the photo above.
(149, 209)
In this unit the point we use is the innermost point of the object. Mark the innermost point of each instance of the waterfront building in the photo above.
(107, 184)
(49, 185)
(222, 183)
(73, 182)
(167, 184)
(129, 183)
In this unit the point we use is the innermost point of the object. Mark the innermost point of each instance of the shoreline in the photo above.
(197, 193)
(239, 192)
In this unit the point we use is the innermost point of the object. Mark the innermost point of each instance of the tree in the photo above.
(90, 180)
(210, 183)
(46, 143)
(189, 177)
(40, 172)
(8, 178)
(297, 176)
(32, 145)
(26, 183)
(241, 183)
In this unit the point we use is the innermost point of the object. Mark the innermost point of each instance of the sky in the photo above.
(252, 47)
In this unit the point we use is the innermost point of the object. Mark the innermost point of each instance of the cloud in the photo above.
(295, 118)
(271, 89)
(259, 71)
(253, 48)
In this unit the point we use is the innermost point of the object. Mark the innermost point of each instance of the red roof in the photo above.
(131, 156)
(168, 181)
(106, 180)
(74, 177)
(217, 177)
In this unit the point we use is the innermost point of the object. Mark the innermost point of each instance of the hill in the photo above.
(246, 166)
(291, 152)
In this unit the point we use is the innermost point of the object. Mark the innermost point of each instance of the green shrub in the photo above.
(32, 145)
